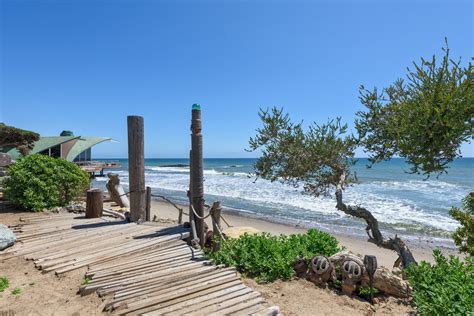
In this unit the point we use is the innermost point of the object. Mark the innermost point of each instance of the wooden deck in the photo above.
(138, 269)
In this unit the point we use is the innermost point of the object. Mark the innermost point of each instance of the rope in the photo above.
(170, 202)
(227, 223)
(195, 214)
(182, 211)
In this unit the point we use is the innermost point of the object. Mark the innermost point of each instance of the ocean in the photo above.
(405, 204)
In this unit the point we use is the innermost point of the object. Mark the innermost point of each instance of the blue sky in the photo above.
(86, 65)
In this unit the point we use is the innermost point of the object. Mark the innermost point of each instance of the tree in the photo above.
(319, 159)
(424, 120)
(464, 235)
(22, 140)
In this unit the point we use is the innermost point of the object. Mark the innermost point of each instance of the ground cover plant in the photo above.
(38, 181)
(4, 283)
(444, 288)
(266, 257)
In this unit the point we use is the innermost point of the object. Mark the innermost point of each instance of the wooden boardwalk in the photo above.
(139, 269)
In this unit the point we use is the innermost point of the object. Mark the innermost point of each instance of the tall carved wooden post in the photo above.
(196, 169)
(136, 167)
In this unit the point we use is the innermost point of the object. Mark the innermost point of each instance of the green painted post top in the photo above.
(196, 106)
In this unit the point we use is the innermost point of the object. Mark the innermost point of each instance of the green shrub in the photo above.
(39, 181)
(464, 235)
(267, 258)
(4, 283)
(445, 288)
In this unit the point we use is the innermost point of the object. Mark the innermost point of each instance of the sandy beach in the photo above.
(385, 257)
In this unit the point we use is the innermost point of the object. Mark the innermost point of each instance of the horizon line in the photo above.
(187, 158)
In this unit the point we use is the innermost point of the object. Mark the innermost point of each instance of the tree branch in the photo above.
(373, 231)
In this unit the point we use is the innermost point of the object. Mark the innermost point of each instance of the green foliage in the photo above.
(16, 291)
(4, 283)
(18, 138)
(445, 288)
(267, 258)
(39, 181)
(424, 118)
(317, 156)
(365, 291)
(464, 235)
(86, 281)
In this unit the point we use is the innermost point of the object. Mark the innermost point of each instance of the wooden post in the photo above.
(94, 203)
(136, 167)
(216, 225)
(148, 204)
(197, 182)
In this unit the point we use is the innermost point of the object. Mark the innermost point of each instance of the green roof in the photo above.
(42, 144)
(84, 143)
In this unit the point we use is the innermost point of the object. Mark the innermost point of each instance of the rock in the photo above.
(236, 232)
(7, 237)
(397, 271)
(76, 208)
(5, 160)
(391, 284)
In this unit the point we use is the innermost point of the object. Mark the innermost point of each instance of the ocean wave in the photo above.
(410, 205)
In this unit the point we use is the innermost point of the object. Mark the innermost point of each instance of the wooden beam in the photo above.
(136, 167)
(94, 203)
(148, 204)
(197, 182)
(216, 225)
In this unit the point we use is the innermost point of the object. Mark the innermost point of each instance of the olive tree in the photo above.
(424, 120)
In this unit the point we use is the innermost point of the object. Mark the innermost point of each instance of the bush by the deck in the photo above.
(444, 288)
(267, 258)
(38, 181)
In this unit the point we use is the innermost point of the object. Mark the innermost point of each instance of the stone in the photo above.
(236, 232)
(5, 160)
(7, 237)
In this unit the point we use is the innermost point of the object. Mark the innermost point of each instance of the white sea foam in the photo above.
(400, 204)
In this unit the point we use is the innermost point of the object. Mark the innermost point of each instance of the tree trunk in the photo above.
(372, 229)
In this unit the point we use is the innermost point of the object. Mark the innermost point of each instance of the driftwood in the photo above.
(373, 231)
(116, 191)
(349, 268)
(113, 213)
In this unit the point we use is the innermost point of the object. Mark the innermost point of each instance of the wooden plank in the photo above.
(144, 259)
(62, 268)
(137, 296)
(162, 250)
(188, 306)
(153, 303)
(143, 269)
(239, 306)
(131, 280)
(196, 297)
(169, 278)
